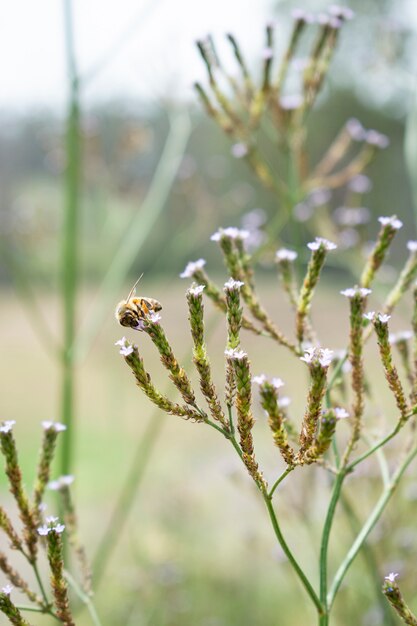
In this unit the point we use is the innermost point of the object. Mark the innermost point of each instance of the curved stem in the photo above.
(303, 578)
(368, 526)
(374, 448)
(280, 479)
(40, 583)
(337, 486)
(84, 598)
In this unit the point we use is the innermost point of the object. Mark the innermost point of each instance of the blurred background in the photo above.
(150, 178)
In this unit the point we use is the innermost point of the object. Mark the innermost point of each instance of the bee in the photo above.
(133, 310)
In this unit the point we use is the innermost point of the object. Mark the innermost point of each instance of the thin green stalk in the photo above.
(336, 491)
(303, 578)
(126, 497)
(374, 448)
(368, 526)
(280, 479)
(70, 242)
(370, 562)
(84, 598)
(37, 609)
(40, 583)
(138, 231)
(298, 570)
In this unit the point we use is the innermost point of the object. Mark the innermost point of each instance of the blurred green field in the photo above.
(197, 547)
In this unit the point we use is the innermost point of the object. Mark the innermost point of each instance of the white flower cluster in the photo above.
(391, 577)
(340, 413)
(412, 246)
(392, 221)
(59, 483)
(56, 426)
(192, 267)
(125, 347)
(232, 284)
(7, 426)
(231, 232)
(197, 290)
(405, 335)
(351, 292)
(262, 379)
(237, 355)
(285, 255)
(320, 355)
(321, 242)
(382, 317)
(51, 525)
(7, 590)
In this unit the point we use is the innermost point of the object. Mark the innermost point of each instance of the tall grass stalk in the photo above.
(70, 242)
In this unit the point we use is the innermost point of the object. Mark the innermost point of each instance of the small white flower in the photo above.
(239, 150)
(121, 342)
(374, 138)
(51, 519)
(56, 426)
(284, 402)
(320, 242)
(351, 292)
(155, 318)
(383, 318)
(192, 267)
(285, 255)
(391, 577)
(322, 355)
(231, 232)
(7, 426)
(369, 316)
(267, 54)
(319, 197)
(277, 383)
(360, 184)
(196, 291)
(291, 102)
(7, 589)
(302, 16)
(235, 354)
(42, 507)
(232, 284)
(62, 481)
(340, 413)
(43, 530)
(126, 350)
(259, 380)
(59, 528)
(355, 129)
(343, 12)
(412, 246)
(392, 221)
(139, 326)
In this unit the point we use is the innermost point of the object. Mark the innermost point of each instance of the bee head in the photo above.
(125, 315)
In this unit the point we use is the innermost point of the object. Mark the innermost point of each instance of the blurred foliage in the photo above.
(121, 151)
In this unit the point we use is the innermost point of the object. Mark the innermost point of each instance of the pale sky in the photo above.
(159, 54)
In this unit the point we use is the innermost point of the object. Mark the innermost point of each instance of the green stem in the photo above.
(36, 609)
(337, 486)
(279, 480)
(368, 526)
(84, 598)
(267, 499)
(303, 578)
(374, 448)
(40, 583)
(370, 561)
(126, 498)
(70, 243)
